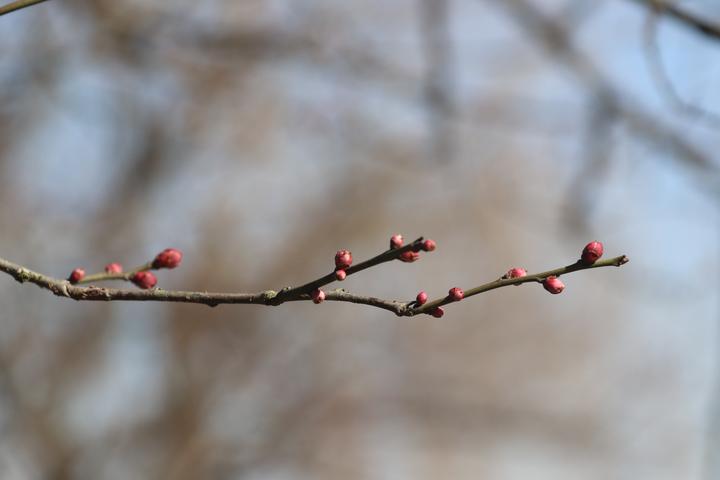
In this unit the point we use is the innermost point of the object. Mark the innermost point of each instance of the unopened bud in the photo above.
(592, 252)
(456, 294)
(409, 256)
(429, 245)
(396, 241)
(113, 268)
(168, 258)
(76, 275)
(144, 280)
(340, 275)
(437, 312)
(343, 259)
(421, 298)
(553, 285)
(317, 295)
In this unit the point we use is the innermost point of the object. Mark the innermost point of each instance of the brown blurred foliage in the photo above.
(261, 136)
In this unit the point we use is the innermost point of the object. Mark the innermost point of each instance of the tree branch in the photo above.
(64, 288)
(18, 5)
(695, 22)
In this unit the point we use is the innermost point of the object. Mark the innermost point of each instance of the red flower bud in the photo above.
(144, 280)
(516, 272)
(437, 312)
(340, 275)
(168, 258)
(553, 285)
(396, 241)
(76, 275)
(409, 256)
(317, 295)
(113, 268)
(456, 294)
(429, 245)
(343, 259)
(421, 298)
(592, 252)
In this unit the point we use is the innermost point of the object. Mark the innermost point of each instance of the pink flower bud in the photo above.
(76, 275)
(421, 298)
(396, 241)
(168, 258)
(343, 259)
(516, 272)
(592, 252)
(144, 280)
(113, 268)
(553, 285)
(429, 245)
(456, 294)
(437, 312)
(340, 275)
(409, 256)
(317, 295)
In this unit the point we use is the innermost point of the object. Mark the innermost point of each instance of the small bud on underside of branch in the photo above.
(553, 285)
(144, 280)
(437, 312)
(76, 275)
(340, 275)
(429, 245)
(592, 252)
(317, 295)
(168, 258)
(409, 256)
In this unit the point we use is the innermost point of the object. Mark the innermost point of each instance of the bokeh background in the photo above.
(261, 136)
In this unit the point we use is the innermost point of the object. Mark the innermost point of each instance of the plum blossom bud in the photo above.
(516, 272)
(456, 294)
(553, 285)
(340, 275)
(592, 252)
(168, 258)
(429, 245)
(421, 298)
(318, 296)
(409, 256)
(113, 268)
(76, 275)
(396, 241)
(144, 280)
(437, 312)
(343, 259)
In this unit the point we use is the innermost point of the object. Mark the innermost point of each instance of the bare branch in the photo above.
(18, 5)
(64, 288)
(695, 22)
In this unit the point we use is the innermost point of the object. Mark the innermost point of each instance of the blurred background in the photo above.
(261, 136)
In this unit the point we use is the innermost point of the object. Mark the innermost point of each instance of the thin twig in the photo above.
(535, 277)
(18, 5)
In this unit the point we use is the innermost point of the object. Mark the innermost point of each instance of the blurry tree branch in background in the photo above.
(170, 258)
(556, 40)
(18, 5)
(660, 75)
(669, 9)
